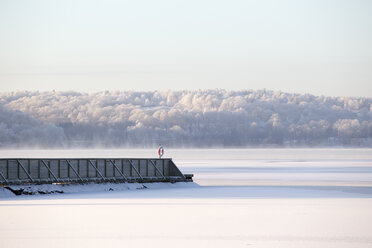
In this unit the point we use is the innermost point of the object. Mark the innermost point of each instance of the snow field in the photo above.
(163, 222)
(272, 198)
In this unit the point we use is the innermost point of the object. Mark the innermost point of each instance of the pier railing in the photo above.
(80, 170)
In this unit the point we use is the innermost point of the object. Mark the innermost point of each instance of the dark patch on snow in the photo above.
(143, 187)
(15, 191)
(29, 191)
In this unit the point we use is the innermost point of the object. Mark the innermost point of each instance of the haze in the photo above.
(319, 47)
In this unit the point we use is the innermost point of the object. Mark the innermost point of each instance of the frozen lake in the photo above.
(243, 198)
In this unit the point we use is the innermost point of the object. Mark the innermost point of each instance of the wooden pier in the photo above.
(81, 170)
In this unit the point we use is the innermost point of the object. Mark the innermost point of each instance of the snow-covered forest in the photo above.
(204, 118)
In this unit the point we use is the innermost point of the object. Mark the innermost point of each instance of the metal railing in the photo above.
(80, 170)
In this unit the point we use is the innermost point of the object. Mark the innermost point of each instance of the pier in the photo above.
(15, 171)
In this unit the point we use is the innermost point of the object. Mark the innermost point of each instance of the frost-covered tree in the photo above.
(202, 118)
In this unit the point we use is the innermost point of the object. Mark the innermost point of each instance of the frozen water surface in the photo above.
(243, 198)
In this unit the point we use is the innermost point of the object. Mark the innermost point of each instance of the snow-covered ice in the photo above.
(242, 198)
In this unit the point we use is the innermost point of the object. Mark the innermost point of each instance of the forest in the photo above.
(201, 118)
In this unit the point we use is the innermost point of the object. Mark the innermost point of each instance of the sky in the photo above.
(321, 47)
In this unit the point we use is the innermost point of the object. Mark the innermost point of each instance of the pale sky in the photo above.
(318, 46)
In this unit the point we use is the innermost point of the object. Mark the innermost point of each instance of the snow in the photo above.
(243, 198)
(182, 118)
(93, 188)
